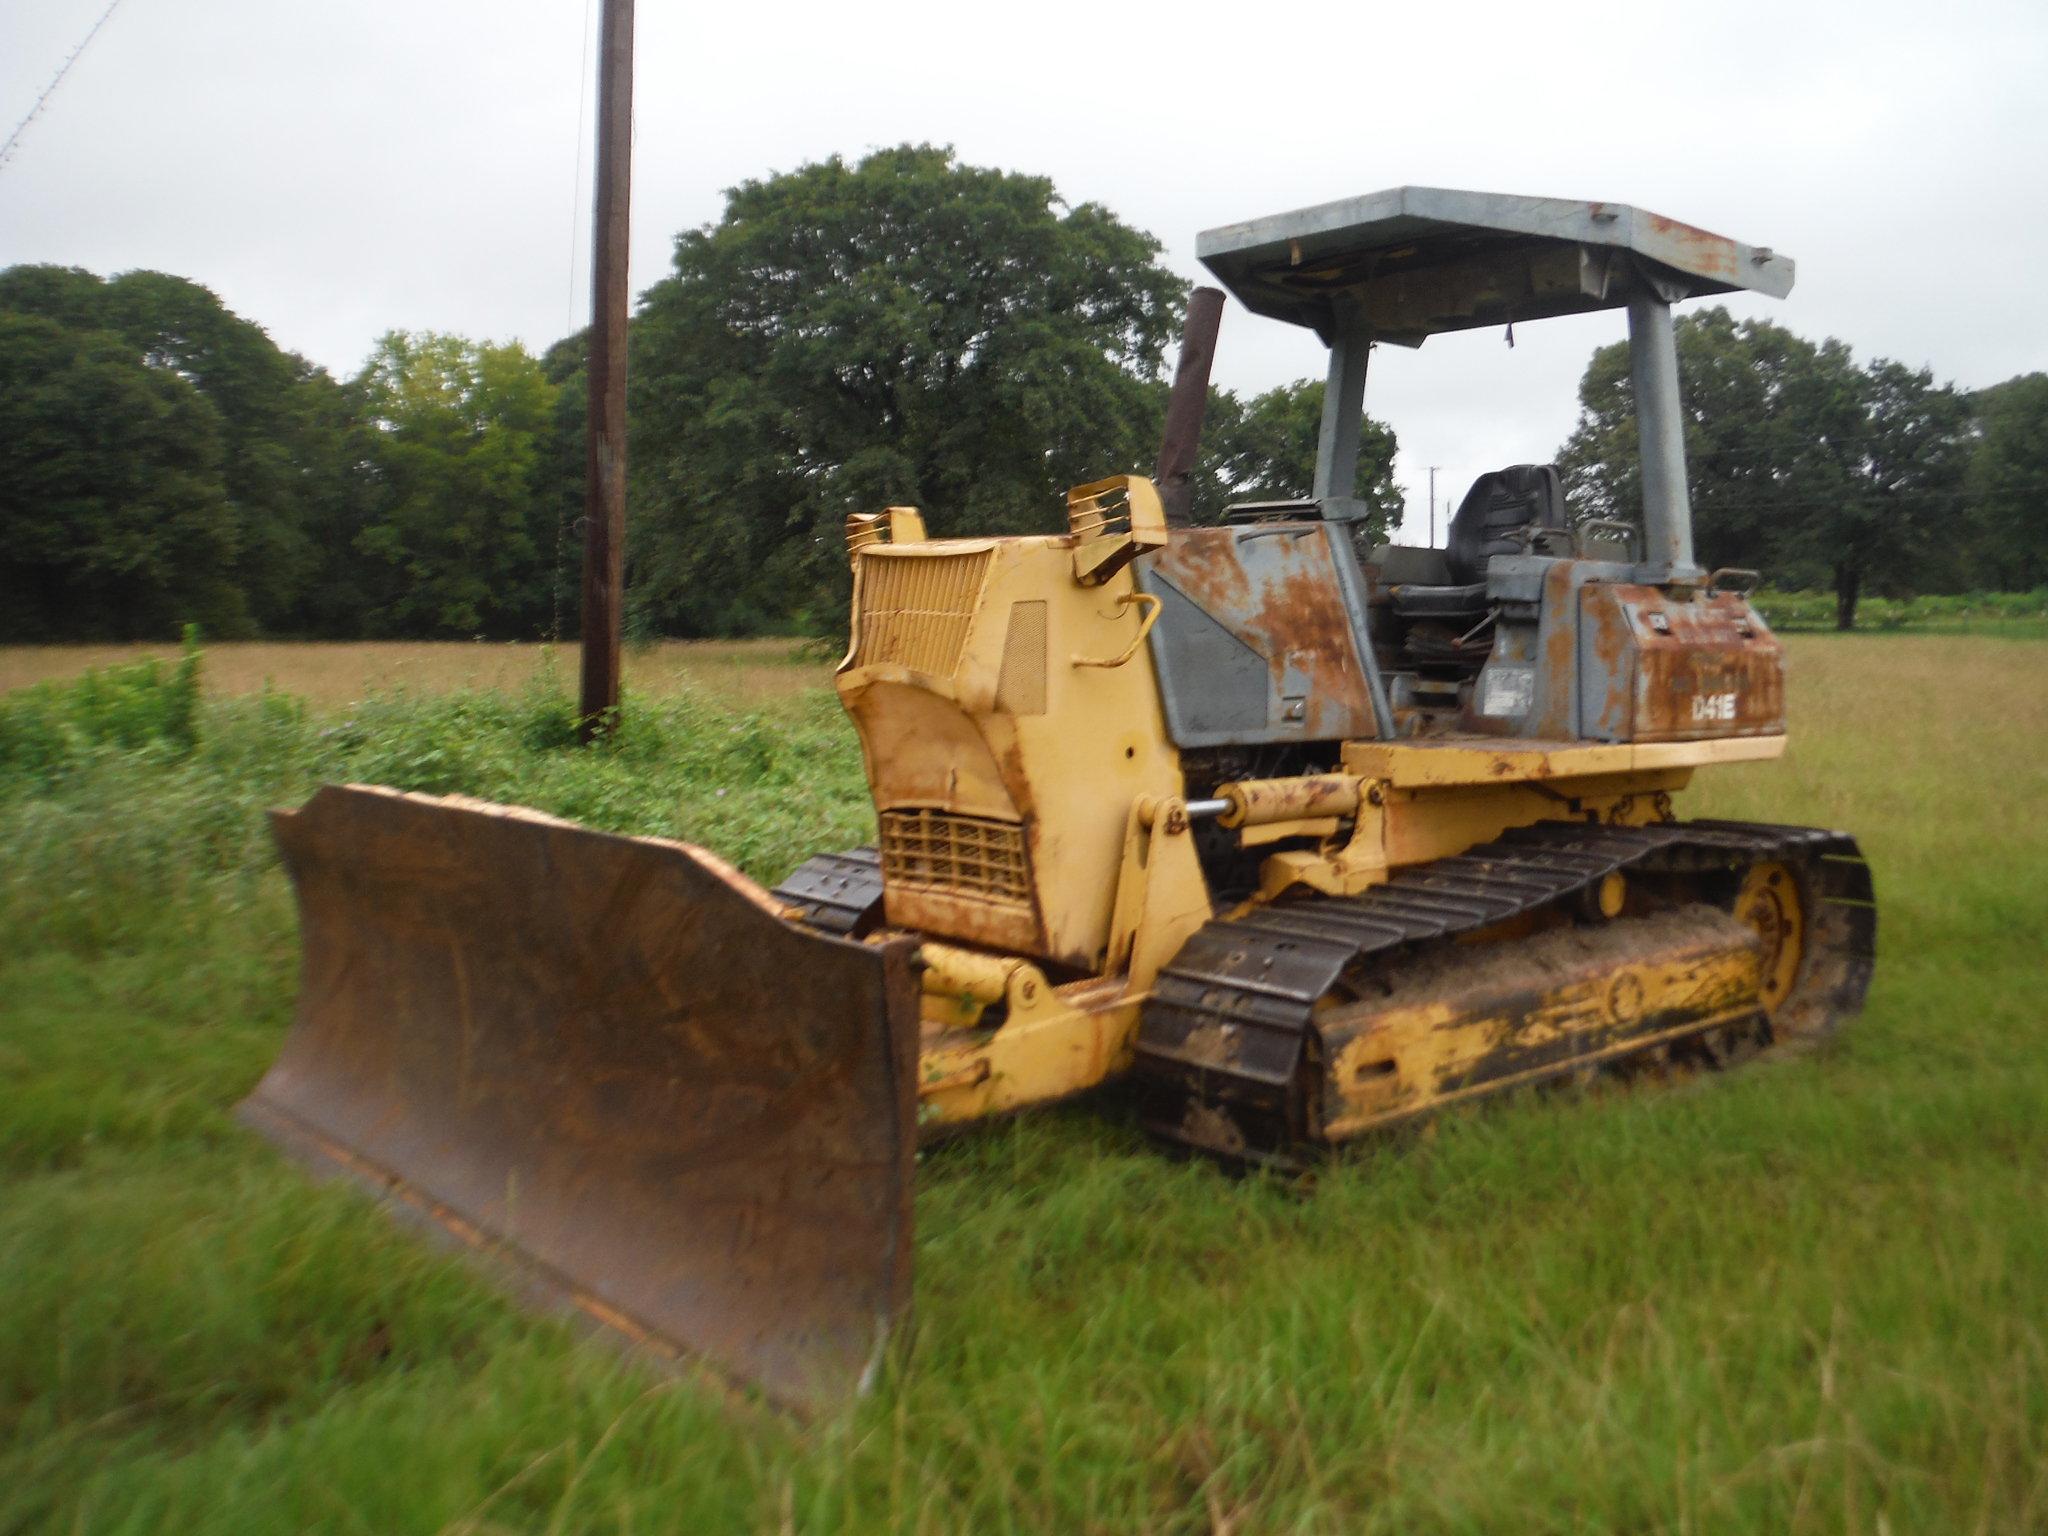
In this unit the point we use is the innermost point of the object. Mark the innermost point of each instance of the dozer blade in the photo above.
(610, 1061)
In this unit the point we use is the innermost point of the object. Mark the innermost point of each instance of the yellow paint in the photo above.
(935, 738)
(1613, 894)
(1148, 605)
(1412, 1058)
(1419, 763)
(1399, 826)
(1161, 897)
(1111, 523)
(1769, 902)
(1070, 1040)
(1031, 805)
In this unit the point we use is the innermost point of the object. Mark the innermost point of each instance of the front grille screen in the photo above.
(977, 856)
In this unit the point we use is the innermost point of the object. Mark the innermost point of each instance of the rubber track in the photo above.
(840, 893)
(1264, 972)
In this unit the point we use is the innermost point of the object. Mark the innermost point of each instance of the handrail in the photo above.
(1151, 606)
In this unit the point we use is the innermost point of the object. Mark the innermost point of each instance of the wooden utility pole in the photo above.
(604, 489)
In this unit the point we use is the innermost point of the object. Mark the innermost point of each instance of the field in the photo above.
(1808, 1296)
(327, 676)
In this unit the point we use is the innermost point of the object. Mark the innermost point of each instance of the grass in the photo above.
(1809, 1296)
(2012, 615)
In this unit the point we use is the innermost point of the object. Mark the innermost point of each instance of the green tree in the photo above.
(559, 498)
(901, 330)
(456, 452)
(1901, 475)
(337, 490)
(1801, 464)
(114, 515)
(1264, 449)
(268, 410)
(2008, 482)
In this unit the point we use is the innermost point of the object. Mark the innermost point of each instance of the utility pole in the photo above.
(604, 485)
(1432, 504)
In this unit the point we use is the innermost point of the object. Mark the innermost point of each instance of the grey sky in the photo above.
(336, 170)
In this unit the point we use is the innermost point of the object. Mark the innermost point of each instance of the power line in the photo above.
(14, 138)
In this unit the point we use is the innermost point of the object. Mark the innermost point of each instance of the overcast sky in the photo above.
(336, 170)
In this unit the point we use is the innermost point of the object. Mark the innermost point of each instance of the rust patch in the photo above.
(1462, 1024)
(1255, 802)
(1702, 668)
(596, 1060)
(1608, 713)
(1203, 563)
(1704, 250)
(1276, 588)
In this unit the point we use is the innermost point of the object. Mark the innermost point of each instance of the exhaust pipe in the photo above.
(1186, 406)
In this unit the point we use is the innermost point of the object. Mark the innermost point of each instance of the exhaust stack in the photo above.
(1188, 403)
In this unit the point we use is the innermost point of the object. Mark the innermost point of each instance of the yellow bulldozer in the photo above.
(1297, 838)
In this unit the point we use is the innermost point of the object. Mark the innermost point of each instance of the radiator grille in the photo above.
(955, 856)
(914, 609)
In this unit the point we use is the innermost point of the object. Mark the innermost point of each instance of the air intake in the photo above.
(915, 608)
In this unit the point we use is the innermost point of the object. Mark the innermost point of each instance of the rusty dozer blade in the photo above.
(610, 1061)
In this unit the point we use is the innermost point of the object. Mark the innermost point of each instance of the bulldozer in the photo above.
(1296, 836)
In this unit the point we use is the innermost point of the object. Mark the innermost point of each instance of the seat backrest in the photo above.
(1491, 519)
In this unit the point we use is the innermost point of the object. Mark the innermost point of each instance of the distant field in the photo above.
(2010, 615)
(1810, 1296)
(341, 672)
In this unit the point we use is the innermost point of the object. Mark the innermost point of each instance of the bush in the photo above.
(46, 729)
(126, 805)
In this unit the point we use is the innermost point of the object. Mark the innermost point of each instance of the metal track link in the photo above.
(839, 893)
(1262, 974)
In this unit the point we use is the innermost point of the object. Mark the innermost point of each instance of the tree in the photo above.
(266, 404)
(1901, 472)
(1800, 463)
(1264, 449)
(337, 503)
(456, 452)
(114, 514)
(558, 509)
(2008, 482)
(902, 330)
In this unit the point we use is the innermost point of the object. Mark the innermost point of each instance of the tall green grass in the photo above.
(1808, 1296)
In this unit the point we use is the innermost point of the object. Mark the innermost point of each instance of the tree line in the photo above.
(899, 330)
(1830, 475)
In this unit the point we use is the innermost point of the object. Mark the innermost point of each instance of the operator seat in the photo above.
(1499, 516)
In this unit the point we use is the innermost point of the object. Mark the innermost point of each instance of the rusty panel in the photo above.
(608, 1062)
(1274, 588)
(1655, 667)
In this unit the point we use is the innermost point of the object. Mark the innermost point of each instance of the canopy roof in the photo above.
(1415, 261)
